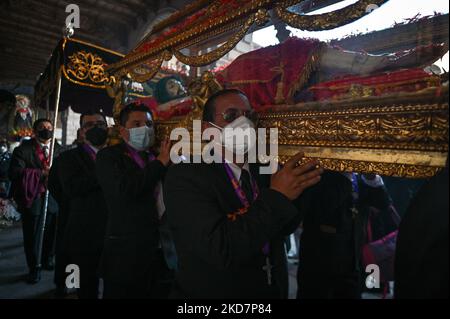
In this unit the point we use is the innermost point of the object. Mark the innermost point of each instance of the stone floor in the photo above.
(13, 271)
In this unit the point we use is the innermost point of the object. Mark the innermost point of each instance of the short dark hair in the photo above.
(130, 108)
(88, 113)
(39, 121)
(209, 110)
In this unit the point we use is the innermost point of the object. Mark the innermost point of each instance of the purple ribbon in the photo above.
(243, 199)
(89, 151)
(237, 188)
(138, 159)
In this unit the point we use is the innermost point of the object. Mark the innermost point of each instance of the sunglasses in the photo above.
(231, 114)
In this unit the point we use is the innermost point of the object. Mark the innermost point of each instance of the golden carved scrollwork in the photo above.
(116, 90)
(259, 17)
(202, 88)
(399, 137)
(147, 71)
(86, 68)
(235, 19)
(385, 169)
(329, 20)
(421, 127)
(218, 26)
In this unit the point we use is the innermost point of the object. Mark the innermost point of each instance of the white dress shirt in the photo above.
(237, 170)
(46, 149)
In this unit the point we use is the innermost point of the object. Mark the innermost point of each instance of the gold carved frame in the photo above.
(402, 135)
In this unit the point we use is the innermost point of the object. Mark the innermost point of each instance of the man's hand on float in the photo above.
(293, 179)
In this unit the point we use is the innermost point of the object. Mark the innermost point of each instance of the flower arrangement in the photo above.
(8, 213)
(21, 133)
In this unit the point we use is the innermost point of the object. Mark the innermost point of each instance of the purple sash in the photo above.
(243, 199)
(237, 188)
(138, 159)
(30, 187)
(89, 151)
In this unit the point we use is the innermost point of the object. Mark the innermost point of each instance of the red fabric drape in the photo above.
(271, 75)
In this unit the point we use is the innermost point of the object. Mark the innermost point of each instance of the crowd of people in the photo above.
(147, 228)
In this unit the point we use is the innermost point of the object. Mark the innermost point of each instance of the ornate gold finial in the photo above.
(202, 88)
(116, 90)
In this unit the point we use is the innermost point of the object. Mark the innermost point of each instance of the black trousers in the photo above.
(322, 285)
(157, 284)
(61, 256)
(30, 226)
(89, 279)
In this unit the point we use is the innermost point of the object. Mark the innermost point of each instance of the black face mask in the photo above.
(45, 134)
(97, 136)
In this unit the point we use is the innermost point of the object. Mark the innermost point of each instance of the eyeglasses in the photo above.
(89, 125)
(231, 114)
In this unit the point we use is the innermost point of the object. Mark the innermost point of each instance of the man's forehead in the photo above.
(233, 100)
(45, 124)
(138, 115)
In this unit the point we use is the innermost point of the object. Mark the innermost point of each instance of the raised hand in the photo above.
(293, 179)
(164, 153)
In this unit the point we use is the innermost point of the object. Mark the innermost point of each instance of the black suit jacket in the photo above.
(217, 257)
(24, 156)
(332, 237)
(132, 234)
(421, 260)
(87, 212)
(327, 240)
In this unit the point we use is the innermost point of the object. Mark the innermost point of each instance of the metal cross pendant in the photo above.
(268, 269)
(354, 211)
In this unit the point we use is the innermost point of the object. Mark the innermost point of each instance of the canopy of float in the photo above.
(82, 67)
(204, 24)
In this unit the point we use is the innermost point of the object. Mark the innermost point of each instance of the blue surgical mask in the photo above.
(141, 138)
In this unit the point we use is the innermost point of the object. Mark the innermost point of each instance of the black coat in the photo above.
(132, 228)
(24, 156)
(218, 257)
(327, 241)
(333, 235)
(421, 260)
(87, 212)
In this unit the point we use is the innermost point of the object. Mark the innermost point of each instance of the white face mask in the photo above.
(237, 141)
(141, 138)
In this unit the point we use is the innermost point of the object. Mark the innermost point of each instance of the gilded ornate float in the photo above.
(400, 134)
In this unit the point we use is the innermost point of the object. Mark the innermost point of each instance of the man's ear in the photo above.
(123, 133)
